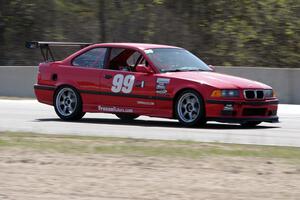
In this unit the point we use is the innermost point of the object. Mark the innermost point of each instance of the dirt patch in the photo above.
(31, 174)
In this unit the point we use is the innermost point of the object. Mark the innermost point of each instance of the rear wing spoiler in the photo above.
(46, 50)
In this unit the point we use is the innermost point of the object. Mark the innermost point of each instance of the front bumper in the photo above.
(242, 120)
(239, 111)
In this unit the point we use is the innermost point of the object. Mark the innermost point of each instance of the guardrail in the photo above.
(17, 81)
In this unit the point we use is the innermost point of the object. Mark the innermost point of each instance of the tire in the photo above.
(68, 104)
(127, 117)
(189, 109)
(250, 124)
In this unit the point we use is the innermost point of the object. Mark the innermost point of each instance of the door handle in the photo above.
(107, 76)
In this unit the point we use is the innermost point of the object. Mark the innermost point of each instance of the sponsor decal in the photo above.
(115, 109)
(161, 91)
(163, 80)
(145, 103)
(161, 85)
(228, 107)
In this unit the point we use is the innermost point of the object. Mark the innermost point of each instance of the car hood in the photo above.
(218, 80)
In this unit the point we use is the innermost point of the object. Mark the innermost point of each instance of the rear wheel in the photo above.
(250, 124)
(68, 104)
(127, 117)
(189, 109)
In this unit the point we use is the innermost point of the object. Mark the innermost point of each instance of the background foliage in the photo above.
(221, 32)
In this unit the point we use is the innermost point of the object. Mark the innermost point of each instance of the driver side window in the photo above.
(124, 59)
(134, 59)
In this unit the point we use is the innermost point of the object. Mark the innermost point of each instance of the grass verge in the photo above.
(140, 147)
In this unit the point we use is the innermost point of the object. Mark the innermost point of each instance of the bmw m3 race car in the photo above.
(132, 79)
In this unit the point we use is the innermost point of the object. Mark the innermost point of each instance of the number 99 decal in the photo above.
(121, 83)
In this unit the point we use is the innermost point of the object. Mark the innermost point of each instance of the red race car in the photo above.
(130, 79)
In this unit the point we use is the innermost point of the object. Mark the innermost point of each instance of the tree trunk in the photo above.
(102, 20)
(2, 30)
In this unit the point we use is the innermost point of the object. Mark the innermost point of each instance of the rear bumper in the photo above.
(44, 93)
(242, 111)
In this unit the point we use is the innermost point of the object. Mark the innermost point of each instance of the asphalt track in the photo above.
(31, 116)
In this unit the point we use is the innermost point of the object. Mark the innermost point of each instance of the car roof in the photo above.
(141, 46)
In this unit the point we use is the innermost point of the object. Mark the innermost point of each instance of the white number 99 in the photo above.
(120, 83)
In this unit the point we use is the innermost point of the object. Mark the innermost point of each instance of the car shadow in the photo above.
(154, 123)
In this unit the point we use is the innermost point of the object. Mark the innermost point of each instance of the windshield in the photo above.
(173, 60)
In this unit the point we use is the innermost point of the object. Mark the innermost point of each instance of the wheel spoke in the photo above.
(64, 96)
(188, 100)
(190, 115)
(194, 101)
(72, 98)
(65, 109)
(196, 106)
(194, 112)
(185, 113)
(69, 94)
(70, 109)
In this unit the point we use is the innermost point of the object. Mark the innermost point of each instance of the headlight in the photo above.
(225, 93)
(268, 93)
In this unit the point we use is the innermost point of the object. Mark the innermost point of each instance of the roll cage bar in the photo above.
(46, 50)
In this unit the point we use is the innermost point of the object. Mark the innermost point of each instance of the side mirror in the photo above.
(143, 69)
(213, 68)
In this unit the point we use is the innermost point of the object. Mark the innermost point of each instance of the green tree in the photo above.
(231, 32)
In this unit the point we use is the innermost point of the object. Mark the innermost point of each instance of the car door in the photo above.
(127, 91)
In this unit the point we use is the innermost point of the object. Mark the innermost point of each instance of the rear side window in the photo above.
(93, 58)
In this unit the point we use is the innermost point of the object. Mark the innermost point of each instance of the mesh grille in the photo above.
(254, 94)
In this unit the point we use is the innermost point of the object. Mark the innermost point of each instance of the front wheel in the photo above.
(68, 104)
(189, 109)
